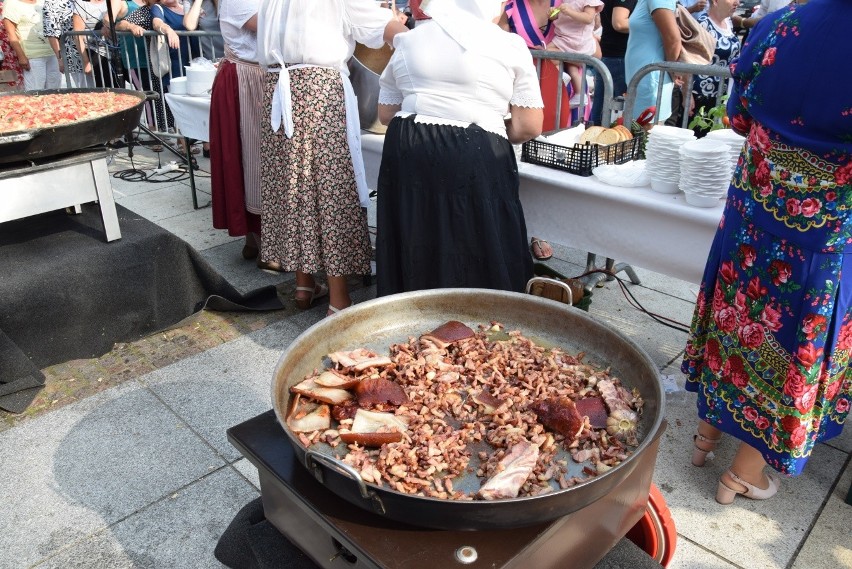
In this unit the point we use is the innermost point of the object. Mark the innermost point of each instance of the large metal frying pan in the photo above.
(378, 323)
(46, 142)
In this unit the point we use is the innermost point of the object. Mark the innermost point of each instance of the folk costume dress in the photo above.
(236, 108)
(772, 331)
(449, 214)
(313, 184)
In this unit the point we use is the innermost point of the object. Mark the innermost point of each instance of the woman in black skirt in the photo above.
(448, 209)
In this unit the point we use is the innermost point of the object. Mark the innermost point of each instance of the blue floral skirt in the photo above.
(771, 334)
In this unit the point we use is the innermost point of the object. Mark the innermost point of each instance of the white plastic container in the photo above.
(199, 80)
(177, 86)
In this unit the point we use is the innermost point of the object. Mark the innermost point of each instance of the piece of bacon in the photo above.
(447, 333)
(615, 396)
(333, 378)
(359, 359)
(559, 414)
(373, 429)
(512, 471)
(377, 390)
(333, 395)
(307, 416)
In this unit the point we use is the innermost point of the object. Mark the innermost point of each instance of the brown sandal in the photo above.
(539, 248)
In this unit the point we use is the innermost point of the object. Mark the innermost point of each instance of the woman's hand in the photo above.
(136, 30)
(87, 67)
(24, 62)
(174, 40)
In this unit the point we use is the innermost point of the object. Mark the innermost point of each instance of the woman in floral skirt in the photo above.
(311, 169)
(772, 331)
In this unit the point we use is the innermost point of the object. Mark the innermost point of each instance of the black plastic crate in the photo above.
(582, 158)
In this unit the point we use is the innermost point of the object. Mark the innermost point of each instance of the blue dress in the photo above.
(772, 330)
(644, 46)
(188, 46)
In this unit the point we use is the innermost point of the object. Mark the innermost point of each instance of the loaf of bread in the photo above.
(605, 136)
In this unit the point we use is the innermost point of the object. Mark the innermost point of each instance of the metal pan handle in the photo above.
(314, 461)
(19, 137)
(550, 281)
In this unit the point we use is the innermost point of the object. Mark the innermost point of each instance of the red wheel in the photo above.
(655, 533)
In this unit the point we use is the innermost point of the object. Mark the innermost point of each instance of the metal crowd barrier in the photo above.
(688, 71)
(127, 67)
(546, 57)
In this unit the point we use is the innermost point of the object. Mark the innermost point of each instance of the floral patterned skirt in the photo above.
(311, 218)
(772, 330)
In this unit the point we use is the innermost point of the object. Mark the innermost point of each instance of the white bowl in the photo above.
(177, 86)
(664, 186)
(701, 201)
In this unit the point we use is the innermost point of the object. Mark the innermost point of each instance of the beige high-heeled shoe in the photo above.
(699, 455)
(725, 494)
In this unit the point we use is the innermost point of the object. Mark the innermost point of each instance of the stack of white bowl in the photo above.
(663, 158)
(705, 171)
(732, 139)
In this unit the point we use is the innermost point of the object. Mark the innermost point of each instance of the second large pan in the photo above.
(378, 323)
(45, 142)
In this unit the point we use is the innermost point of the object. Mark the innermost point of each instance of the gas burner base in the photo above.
(328, 529)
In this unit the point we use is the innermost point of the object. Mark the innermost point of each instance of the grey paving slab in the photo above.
(193, 226)
(248, 471)
(688, 555)
(667, 285)
(178, 532)
(79, 469)
(662, 343)
(829, 545)
(241, 273)
(844, 440)
(224, 386)
(167, 201)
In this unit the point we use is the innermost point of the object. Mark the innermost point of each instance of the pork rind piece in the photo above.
(512, 471)
(307, 416)
(371, 428)
(310, 388)
(332, 378)
(359, 359)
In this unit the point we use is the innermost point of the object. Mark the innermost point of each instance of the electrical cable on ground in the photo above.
(631, 299)
(134, 174)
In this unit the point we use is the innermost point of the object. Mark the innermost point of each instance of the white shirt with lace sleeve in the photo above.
(432, 76)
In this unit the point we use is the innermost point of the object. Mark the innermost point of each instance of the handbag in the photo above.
(159, 60)
(697, 44)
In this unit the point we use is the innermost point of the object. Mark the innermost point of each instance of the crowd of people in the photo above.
(771, 335)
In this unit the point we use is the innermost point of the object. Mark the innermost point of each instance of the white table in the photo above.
(57, 184)
(658, 232)
(192, 119)
(192, 115)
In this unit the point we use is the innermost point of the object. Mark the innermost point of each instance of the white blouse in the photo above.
(233, 14)
(433, 76)
(318, 33)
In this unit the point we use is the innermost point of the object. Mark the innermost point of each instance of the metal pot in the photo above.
(378, 323)
(53, 141)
